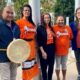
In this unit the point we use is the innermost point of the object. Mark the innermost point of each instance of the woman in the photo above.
(62, 42)
(45, 39)
(75, 26)
(28, 32)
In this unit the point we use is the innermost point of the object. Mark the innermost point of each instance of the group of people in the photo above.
(54, 42)
(50, 42)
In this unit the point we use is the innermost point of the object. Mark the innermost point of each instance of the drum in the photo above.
(18, 51)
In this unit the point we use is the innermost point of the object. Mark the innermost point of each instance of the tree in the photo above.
(47, 5)
(65, 8)
(2, 4)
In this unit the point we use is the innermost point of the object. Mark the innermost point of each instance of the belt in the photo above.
(28, 39)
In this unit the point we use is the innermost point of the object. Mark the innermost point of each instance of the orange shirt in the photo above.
(49, 35)
(28, 31)
(26, 28)
(63, 36)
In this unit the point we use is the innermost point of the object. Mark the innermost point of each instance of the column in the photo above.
(35, 4)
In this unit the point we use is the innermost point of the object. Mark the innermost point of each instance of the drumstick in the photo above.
(3, 49)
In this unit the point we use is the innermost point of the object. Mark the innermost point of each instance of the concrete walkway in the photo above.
(71, 70)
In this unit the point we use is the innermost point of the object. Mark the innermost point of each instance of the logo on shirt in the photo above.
(59, 33)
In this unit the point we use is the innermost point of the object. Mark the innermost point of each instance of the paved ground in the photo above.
(71, 69)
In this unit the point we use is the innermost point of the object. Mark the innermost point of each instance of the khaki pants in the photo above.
(8, 71)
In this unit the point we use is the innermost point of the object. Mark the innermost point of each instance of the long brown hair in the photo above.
(76, 13)
(30, 17)
(43, 22)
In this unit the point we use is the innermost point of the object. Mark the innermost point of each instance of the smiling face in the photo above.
(46, 19)
(7, 14)
(60, 21)
(26, 12)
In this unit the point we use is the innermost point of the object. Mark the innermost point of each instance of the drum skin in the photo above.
(18, 51)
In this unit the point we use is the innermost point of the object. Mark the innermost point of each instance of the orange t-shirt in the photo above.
(26, 28)
(49, 35)
(63, 36)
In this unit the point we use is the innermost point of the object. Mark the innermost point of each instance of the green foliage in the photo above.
(65, 8)
(47, 5)
(2, 4)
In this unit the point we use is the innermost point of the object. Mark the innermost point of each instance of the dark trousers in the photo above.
(47, 65)
(77, 56)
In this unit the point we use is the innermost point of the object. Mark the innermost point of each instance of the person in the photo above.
(8, 31)
(28, 33)
(75, 26)
(45, 40)
(63, 35)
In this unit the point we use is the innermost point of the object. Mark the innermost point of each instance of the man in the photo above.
(8, 31)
